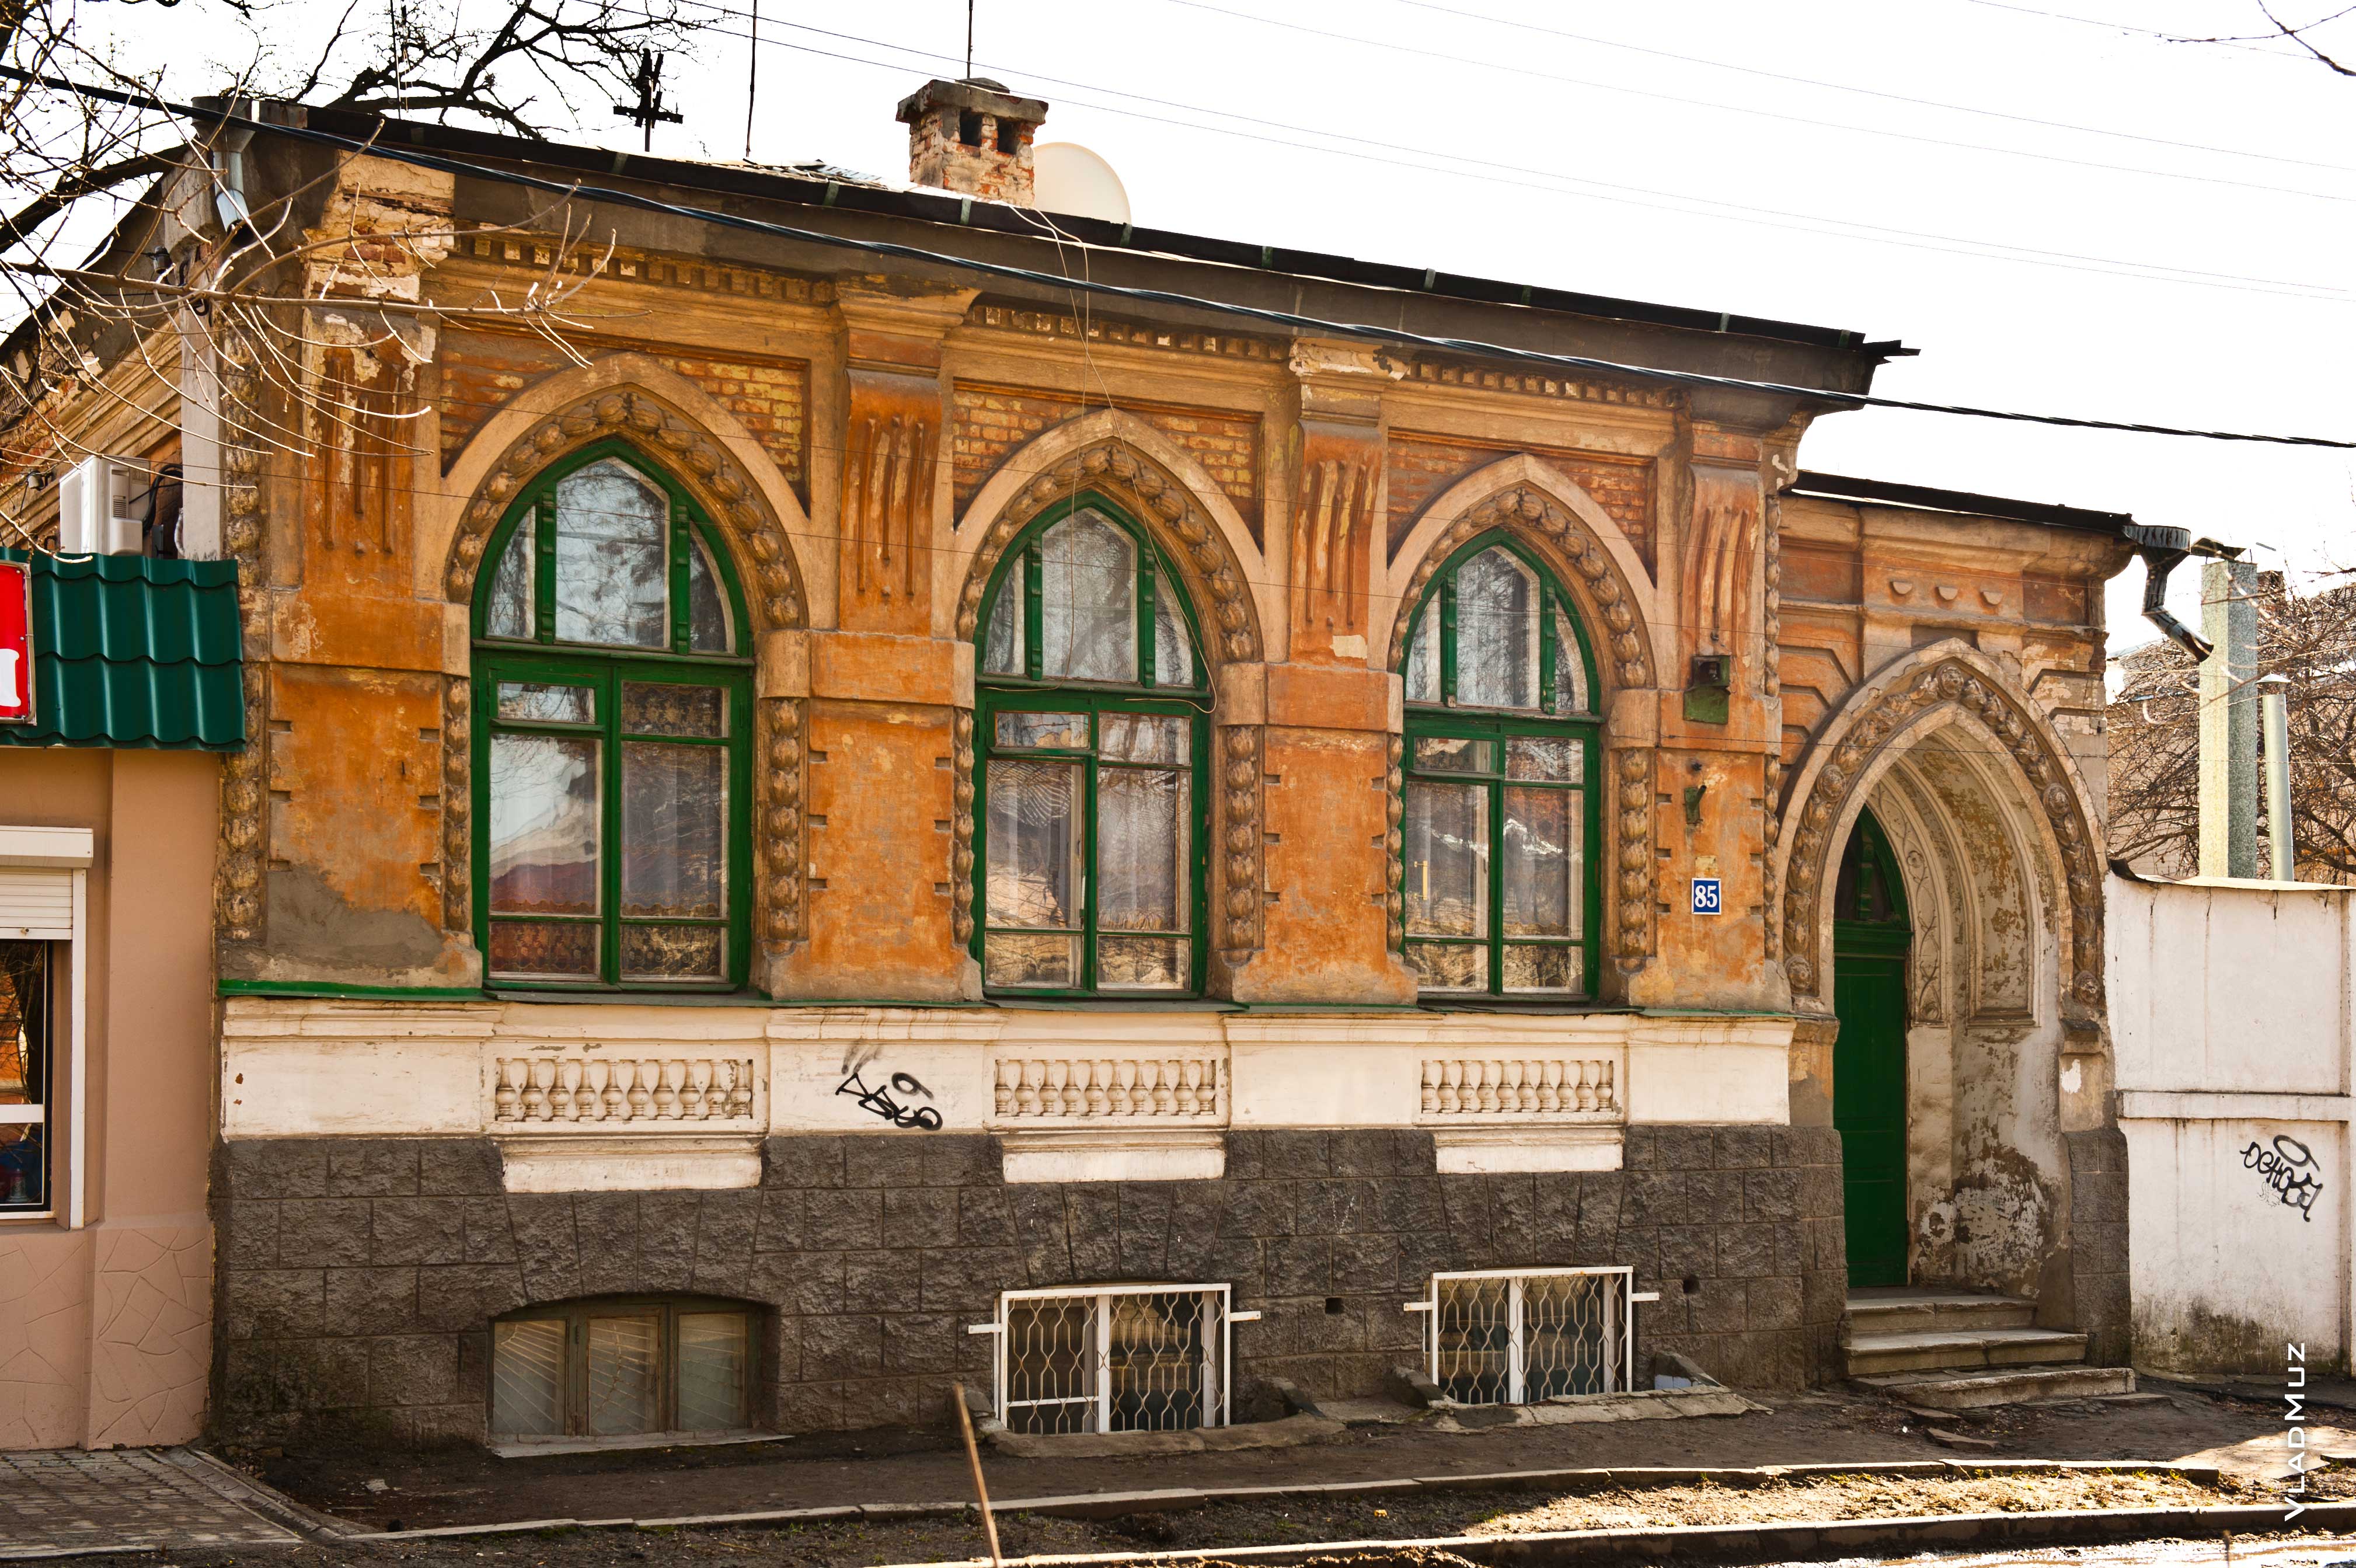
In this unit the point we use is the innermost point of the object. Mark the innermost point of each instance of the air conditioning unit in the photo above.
(103, 508)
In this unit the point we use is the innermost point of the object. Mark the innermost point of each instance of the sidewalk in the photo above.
(57, 1501)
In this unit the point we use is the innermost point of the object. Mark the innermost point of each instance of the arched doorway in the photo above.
(1871, 935)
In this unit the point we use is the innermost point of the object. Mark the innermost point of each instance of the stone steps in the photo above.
(1901, 1310)
(1963, 1349)
(1949, 1390)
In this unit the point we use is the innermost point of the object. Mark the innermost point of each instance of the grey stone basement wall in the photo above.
(358, 1278)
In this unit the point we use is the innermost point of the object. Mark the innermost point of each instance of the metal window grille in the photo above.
(1139, 1358)
(1520, 1336)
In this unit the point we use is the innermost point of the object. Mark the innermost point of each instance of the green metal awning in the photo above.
(130, 651)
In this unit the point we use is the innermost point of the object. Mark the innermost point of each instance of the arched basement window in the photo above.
(614, 737)
(1092, 720)
(1499, 808)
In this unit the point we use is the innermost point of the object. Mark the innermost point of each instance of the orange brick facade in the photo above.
(993, 420)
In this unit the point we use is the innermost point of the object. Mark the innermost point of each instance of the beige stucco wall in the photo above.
(105, 1333)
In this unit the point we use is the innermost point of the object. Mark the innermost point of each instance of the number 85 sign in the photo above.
(1705, 896)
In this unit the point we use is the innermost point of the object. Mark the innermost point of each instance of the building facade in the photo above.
(847, 790)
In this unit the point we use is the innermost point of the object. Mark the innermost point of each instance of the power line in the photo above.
(1290, 320)
(1874, 91)
(1765, 217)
(1421, 52)
(2109, 26)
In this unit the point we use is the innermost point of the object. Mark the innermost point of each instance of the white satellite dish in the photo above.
(1067, 178)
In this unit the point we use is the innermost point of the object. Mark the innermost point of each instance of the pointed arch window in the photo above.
(1498, 812)
(1092, 721)
(614, 737)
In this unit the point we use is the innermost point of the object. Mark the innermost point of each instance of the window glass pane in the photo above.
(537, 703)
(1144, 737)
(1051, 1365)
(544, 949)
(1542, 862)
(1019, 958)
(1449, 966)
(1445, 830)
(714, 1370)
(509, 612)
(623, 1398)
(1001, 642)
(1496, 632)
(1173, 651)
(1423, 655)
(707, 602)
(613, 530)
(23, 1075)
(1141, 963)
(1141, 881)
(1068, 732)
(1542, 969)
(544, 812)
(1088, 628)
(674, 829)
(1570, 670)
(674, 953)
(1551, 758)
(528, 1379)
(661, 708)
(1035, 870)
(1446, 754)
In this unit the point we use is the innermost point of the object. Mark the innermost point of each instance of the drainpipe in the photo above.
(2161, 549)
(2274, 719)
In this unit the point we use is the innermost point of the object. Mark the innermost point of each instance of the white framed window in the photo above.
(44, 904)
(1126, 1358)
(1520, 1336)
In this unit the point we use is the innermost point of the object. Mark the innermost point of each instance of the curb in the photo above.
(1757, 1542)
(1113, 1505)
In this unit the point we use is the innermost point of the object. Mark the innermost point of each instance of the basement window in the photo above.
(1131, 1357)
(622, 1368)
(1523, 1336)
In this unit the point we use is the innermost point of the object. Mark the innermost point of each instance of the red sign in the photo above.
(15, 642)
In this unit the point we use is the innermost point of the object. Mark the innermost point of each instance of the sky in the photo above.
(2062, 212)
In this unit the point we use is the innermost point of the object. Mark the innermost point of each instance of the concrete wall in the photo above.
(105, 1331)
(2230, 1019)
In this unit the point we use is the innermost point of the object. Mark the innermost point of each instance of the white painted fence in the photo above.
(2231, 1014)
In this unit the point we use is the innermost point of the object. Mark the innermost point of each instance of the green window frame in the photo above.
(626, 738)
(1500, 816)
(1078, 875)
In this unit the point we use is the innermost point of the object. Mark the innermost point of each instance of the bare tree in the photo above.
(2299, 33)
(2155, 734)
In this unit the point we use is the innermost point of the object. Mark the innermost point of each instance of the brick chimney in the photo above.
(972, 136)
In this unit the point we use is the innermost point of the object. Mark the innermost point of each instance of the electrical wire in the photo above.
(1294, 321)
(1885, 96)
(1423, 51)
(1597, 191)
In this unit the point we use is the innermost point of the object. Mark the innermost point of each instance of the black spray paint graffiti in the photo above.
(880, 1100)
(2289, 1168)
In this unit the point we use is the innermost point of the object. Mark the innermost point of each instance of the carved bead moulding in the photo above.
(962, 793)
(1610, 608)
(1632, 852)
(1569, 1087)
(1179, 1089)
(1883, 714)
(238, 885)
(608, 1091)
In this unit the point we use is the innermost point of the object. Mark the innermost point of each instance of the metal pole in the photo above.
(2274, 715)
(2229, 734)
(973, 1458)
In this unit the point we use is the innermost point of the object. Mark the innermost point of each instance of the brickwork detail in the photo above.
(359, 1277)
(1093, 328)
(482, 371)
(1422, 466)
(991, 423)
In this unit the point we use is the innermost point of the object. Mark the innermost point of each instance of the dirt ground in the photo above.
(418, 1489)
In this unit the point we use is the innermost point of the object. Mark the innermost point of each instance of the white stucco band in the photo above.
(679, 1094)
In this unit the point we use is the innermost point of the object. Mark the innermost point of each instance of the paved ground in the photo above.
(62, 1500)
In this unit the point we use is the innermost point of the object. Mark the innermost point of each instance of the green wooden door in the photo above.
(1870, 937)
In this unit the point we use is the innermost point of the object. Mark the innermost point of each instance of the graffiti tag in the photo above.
(880, 1100)
(2291, 1170)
